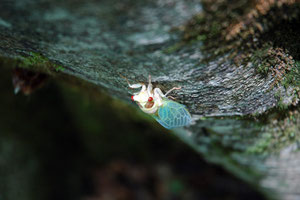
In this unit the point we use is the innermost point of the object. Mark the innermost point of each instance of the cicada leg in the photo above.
(149, 88)
(137, 85)
(170, 97)
(174, 88)
(158, 96)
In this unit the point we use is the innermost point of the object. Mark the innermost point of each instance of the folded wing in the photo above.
(172, 114)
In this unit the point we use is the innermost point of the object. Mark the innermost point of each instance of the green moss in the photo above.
(285, 35)
(278, 63)
(261, 145)
(59, 68)
(278, 94)
(215, 29)
(34, 59)
(293, 76)
(260, 60)
(281, 130)
(37, 62)
(281, 105)
(202, 37)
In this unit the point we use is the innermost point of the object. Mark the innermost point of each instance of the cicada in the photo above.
(167, 112)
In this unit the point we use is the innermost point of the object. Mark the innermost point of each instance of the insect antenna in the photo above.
(126, 79)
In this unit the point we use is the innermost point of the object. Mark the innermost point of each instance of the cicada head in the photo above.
(141, 97)
(146, 102)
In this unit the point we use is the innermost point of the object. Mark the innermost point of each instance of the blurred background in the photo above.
(67, 140)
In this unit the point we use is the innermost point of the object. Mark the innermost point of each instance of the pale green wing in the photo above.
(172, 114)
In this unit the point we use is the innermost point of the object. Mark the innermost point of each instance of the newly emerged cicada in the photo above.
(168, 113)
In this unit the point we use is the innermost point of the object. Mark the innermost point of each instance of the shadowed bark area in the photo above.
(237, 63)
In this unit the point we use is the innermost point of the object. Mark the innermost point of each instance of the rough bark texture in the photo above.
(235, 100)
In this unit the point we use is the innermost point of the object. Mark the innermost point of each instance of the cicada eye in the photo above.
(132, 98)
(150, 99)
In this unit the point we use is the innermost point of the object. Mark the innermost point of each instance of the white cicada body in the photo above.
(168, 113)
